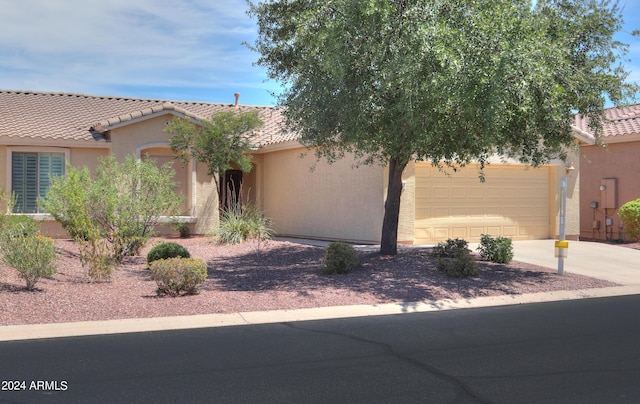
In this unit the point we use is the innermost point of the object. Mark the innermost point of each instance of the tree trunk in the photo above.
(389, 241)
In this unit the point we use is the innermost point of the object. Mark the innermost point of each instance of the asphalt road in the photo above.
(585, 351)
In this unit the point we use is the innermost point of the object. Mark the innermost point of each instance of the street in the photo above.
(582, 351)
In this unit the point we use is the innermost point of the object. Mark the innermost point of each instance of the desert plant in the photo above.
(18, 225)
(630, 215)
(178, 275)
(240, 223)
(183, 228)
(449, 248)
(339, 258)
(33, 256)
(167, 250)
(121, 205)
(499, 249)
(461, 264)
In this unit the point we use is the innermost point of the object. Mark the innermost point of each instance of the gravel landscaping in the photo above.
(284, 275)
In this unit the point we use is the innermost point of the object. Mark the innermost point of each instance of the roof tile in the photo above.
(79, 117)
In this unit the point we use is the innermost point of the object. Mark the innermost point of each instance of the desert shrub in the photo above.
(166, 251)
(339, 258)
(454, 258)
(18, 225)
(449, 248)
(178, 275)
(630, 215)
(241, 223)
(182, 227)
(33, 256)
(499, 249)
(461, 264)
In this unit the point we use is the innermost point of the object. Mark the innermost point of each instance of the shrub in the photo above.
(33, 256)
(121, 204)
(499, 249)
(460, 265)
(166, 251)
(454, 258)
(450, 248)
(18, 225)
(177, 275)
(339, 258)
(630, 215)
(238, 224)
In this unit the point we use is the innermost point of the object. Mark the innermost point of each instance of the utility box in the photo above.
(608, 193)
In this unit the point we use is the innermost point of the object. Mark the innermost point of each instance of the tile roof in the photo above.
(621, 124)
(79, 118)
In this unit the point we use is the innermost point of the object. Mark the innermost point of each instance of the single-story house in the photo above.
(40, 131)
(609, 172)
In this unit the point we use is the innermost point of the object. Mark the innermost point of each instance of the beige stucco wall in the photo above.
(332, 202)
(619, 161)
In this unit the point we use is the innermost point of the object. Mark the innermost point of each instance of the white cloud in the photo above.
(92, 45)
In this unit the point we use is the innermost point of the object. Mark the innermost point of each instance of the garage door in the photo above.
(512, 202)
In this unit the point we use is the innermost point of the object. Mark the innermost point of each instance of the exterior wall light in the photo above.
(569, 168)
(603, 187)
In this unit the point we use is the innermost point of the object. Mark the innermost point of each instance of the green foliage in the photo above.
(33, 256)
(460, 265)
(630, 215)
(339, 258)
(450, 248)
(18, 225)
(178, 275)
(167, 250)
(447, 82)
(241, 223)
(121, 205)
(219, 142)
(499, 249)
(454, 258)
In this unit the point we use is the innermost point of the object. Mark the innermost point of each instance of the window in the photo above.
(30, 173)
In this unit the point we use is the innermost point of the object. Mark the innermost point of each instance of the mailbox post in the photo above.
(562, 246)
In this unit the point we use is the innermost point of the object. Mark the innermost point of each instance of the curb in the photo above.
(135, 325)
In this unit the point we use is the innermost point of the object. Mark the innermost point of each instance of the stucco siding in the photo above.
(127, 139)
(206, 201)
(618, 161)
(333, 201)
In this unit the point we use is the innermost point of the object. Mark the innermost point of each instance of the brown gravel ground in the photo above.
(284, 276)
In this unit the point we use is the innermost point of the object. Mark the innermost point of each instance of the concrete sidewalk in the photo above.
(610, 262)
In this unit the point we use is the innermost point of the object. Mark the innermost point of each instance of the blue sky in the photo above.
(178, 49)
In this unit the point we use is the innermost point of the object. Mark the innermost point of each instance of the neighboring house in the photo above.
(40, 131)
(609, 173)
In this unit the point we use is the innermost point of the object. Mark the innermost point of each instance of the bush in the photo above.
(453, 257)
(177, 275)
(33, 256)
(238, 224)
(339, 258)
(18, 225)
(450, 248)
(630, 215)
(497, 249)
(166, 251)
(460, 265)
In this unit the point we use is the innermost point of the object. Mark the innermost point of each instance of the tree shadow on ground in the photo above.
(409, 276)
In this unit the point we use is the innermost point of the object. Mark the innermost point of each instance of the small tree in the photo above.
(219, 142)
(630, 215)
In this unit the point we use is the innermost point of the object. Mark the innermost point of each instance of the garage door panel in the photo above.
(513, 202)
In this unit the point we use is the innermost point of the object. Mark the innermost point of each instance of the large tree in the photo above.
(440, 80)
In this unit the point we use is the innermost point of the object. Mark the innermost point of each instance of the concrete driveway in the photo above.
(610, 262)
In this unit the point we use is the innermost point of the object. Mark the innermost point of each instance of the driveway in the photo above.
(610, 262)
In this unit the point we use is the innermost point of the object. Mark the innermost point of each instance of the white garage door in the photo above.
(512, 202)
